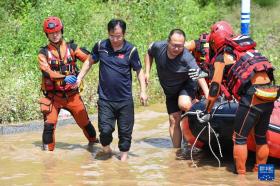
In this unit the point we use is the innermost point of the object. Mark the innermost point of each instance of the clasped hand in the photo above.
(195, 74)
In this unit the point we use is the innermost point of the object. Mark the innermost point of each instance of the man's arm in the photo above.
(202, 83)
(84, 56)
(148, 59)
(85, 68)
(88, 60)
(141, 79)
(215, 85)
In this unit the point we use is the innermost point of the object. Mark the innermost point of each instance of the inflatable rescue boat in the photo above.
(223, 114)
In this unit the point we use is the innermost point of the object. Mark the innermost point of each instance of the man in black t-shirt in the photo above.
(173, 62)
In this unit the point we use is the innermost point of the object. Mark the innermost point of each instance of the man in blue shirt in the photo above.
(117, 57)
(173, 63)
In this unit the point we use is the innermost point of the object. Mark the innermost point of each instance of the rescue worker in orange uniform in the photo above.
(200, 51)
(248, 76)
(60, 81)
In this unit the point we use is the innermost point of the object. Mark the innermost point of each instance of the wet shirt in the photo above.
(172, 73)
(115, 77)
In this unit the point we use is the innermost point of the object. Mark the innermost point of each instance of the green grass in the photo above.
(85, 21)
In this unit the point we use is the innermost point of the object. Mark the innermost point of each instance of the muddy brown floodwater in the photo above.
(152, 160)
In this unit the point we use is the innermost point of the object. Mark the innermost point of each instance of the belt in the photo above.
(62, 94)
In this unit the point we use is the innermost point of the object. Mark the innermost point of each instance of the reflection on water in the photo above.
(152, 160)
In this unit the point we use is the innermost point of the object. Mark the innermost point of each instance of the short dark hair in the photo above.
(177, 31)
(114, 22)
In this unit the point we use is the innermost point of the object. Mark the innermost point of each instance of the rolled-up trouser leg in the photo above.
(106, 121)
(48, 137)
(125, 120)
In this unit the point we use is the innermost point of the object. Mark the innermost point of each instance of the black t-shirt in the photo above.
(172, 73)
(115, 78)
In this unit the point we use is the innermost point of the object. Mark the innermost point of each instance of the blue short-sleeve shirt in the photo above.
(115, 77)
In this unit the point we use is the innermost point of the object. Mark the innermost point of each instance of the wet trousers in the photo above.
(74, 104)
(110, 112)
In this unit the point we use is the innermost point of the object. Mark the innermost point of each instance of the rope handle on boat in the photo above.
(198, 115)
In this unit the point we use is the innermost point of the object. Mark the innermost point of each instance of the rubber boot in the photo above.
(262, 152)
(240, 156)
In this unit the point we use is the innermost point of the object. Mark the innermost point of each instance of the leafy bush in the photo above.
(85, 21)
(265, 33)
(222, 3)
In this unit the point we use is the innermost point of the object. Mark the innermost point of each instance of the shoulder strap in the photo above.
(44, 51)
(134, 48)
(241, 43)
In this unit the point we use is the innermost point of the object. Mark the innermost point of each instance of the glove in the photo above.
(195, 74)
(204, 117)
(71, 79)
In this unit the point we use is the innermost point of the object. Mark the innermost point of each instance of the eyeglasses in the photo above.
(118, 38)
(176, 46)
(51, 25)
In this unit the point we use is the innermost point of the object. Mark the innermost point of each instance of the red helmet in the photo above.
(219, 32)
(52, 24)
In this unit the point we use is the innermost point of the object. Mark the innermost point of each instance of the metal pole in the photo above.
(245, 17)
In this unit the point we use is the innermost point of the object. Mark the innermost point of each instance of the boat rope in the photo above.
(194, 164)
(198, 114)
(220, 149)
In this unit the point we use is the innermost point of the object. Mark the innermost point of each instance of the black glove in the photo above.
(195, 74)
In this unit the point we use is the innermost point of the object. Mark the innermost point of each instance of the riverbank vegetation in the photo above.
(85, 21)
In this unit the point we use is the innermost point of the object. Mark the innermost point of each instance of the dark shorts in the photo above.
(248, 117)
(172, 101)
(110, 112)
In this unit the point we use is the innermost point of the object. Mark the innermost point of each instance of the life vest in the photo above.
(201, 52)
(201, 55)
(248, 61)
(65, 66)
